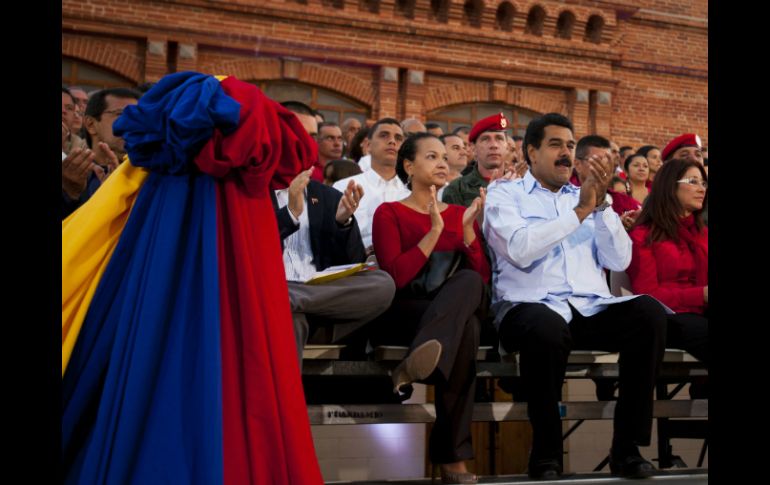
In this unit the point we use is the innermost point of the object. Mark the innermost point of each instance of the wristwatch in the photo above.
(602, 206)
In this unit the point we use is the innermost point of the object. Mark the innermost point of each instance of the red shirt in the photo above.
(671, 271)
(397, 229)
(623, 202)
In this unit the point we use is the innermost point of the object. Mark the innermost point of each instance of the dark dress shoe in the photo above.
(632, 466)
(544, 470)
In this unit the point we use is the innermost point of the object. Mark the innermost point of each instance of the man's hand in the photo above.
(629, 217)
(349, 201)
(297, 192)
(74, 172)
(473, 212)
(112, 162)
(502, 174)
(602, 169)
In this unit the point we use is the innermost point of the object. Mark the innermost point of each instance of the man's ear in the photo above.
(90, 123)
(531, 151)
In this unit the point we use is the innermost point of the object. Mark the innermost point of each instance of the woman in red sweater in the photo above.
(670, 253)
(439, 323)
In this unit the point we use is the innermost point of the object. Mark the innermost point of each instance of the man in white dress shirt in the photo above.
(318, 229)
(380, 182)
(549, 242)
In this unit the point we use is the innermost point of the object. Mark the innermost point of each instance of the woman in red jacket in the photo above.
(670, 253)
(436, 316)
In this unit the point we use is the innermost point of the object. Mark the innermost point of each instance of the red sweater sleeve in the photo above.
(402, 265)
(643, 273)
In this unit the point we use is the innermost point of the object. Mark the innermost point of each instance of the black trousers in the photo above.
(635, 328)
(690, 332)
(448, 317)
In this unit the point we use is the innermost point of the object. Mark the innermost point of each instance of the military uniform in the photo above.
(463, 190)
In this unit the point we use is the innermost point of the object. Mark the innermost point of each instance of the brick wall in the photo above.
(644, 82)
(646, 78)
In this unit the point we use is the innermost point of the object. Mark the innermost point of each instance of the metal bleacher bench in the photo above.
(678, 367)
(321, 360)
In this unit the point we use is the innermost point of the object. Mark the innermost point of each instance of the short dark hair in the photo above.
(457, 130)
(624, 148)
(447, 135)
(97, 103)
(408, 151)
(431, 124)
(589, 141)
(325, 124)
(517, 138)
(68, 93)
(382, 121)
(298, 107)
(536, 130)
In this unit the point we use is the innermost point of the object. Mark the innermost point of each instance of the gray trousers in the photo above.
(339, 307)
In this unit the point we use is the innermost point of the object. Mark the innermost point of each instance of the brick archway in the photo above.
(98, 53)
(246, 70)
(319, 76)
(339, 81)
(446, 96)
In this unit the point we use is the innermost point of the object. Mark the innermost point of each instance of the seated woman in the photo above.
(670, 253)
(637, 171)
(652, 154)
(414, 239)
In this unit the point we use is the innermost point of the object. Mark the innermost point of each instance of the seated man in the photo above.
(318, 230)
(379, 181)
(488, 141)
(549, 241)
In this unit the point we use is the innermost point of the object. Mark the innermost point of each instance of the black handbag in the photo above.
(441, 265)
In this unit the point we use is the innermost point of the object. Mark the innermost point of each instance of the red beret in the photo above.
(686, 140)
(496, 122)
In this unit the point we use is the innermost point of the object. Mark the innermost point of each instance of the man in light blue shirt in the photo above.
(549, 241)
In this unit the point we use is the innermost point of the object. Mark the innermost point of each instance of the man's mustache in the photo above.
(566, 162)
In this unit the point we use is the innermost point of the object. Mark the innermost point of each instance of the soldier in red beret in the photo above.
(684, 147)
(489, 145)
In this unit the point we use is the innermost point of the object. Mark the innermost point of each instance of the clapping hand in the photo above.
(437, 222)
(112, 162)
(297, 192)
(629, 217)
(349, 201)
(74, 171)
(601, 169)
(472, 213)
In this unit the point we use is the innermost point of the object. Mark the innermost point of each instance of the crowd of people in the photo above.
(478, 236)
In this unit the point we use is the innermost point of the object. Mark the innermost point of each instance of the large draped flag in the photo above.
(178, 353)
